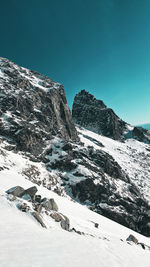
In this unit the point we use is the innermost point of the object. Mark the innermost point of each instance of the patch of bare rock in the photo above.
(28, 201)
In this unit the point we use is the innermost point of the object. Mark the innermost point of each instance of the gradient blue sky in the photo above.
(102, 46)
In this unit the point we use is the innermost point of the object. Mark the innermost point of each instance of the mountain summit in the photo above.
(94, 115)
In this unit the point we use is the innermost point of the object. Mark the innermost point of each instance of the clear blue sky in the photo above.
(102, 46)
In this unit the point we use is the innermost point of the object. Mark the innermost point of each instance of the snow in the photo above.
(4, 119)
(37, 82)
(35, 79)
(129, 128)
(25, 243)
(1, 74)
(133, 156)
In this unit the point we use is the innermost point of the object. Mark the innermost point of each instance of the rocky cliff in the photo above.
(33, 108)
(94, 115)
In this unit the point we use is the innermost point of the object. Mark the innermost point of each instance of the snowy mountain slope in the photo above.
(132, 155)
(25, 243)
(39, 141)
(65, 170)
(18, 163)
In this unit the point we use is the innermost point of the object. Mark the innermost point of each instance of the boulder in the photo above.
(27, 197)
(49, 204)
(96, 225)
(65, 223)
(67, 146)
(37, 198)
(54, 205)
(38, 207)
(56, 216)
(23, 207)
(11, 197)
(77, 231)
(30, 191)
(38, 218)
(132, 238)
(142, 245)
(15, 191)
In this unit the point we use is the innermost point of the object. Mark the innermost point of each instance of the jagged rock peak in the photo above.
(86, 98)
(94, 115)
(33, 108)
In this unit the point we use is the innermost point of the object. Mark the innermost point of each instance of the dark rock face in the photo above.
(141, 134)
(33, 108)
(98, 188)
(102, 199)
(93, 114)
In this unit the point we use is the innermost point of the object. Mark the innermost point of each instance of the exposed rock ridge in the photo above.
(33, 108)
(93, 114)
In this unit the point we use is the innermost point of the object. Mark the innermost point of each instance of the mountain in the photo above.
(146, 126)
(33, 108)
(93, 114)
(98, 163)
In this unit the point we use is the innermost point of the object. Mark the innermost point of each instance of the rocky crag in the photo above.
(94, 115)
(33, 108)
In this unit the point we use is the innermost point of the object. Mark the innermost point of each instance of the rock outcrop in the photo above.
(94, 178)
(93, 114)
(38, 207)
(141, 134)
(15, 191)
(49, 204)
(29, 192)
(33, 109)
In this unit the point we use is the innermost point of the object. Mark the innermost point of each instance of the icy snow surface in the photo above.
(25, 243)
